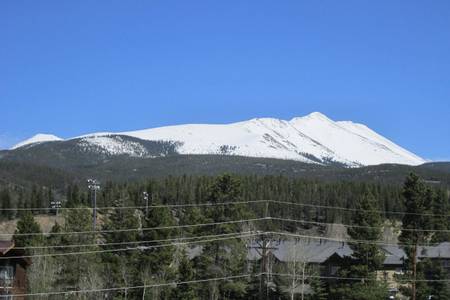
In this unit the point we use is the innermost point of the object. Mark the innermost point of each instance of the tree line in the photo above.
(159, 262)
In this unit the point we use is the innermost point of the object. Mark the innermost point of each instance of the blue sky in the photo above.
(73, 67)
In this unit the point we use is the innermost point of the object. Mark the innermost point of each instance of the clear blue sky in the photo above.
(73, 67)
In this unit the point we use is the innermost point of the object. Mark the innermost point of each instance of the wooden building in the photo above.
(13, 276)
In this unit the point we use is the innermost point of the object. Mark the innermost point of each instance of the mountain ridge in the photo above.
(314, 138)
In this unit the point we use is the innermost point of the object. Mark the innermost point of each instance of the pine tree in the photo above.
(368, 223)
(185, 274)
(55, 239)
(121, 267)
(367, 258)
(318, 288)
(438, 286)
(156, 262)
(224, 258)
(6, 204)
(27, 225)
(441, 222)
(79, 271)
(418, 199)
(73, 196)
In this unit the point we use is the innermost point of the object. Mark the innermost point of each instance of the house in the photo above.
(315, 257)
(440, 253)
(13, 276)
(326, 258)
(393, 266)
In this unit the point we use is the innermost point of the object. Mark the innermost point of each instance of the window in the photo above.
(334, 270)
(6, 276)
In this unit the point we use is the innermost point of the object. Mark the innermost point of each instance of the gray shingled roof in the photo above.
(311, 251)
(439, 251)
(394, 255)
(315, 251)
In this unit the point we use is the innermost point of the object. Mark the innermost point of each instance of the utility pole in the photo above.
(146, 202)
(93, 186)
(264, 248)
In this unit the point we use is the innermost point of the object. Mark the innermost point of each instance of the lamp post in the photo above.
(93, 186)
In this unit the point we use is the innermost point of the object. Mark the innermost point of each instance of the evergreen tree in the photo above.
(121, 267)
(224, 258)
(418, 200)
(438, 286)
(6, 204)
(79, 271)
(185, 274)
(319, 291)
(54, 238)
(156, 262)
(28, 231)
(73, 196)
(27, 225)
(367, 258)
(440, 221)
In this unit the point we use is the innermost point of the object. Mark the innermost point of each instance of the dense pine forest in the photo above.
(194, 189)
(188, 237)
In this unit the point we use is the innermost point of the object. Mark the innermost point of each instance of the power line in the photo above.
(215, 223)
(361, 278)
(174, 283)
(355, 226)
(246, 234)
(358, 209)
(218, 223)
(212, 224)
(234, 203)
(200, 225)
(128, 243)
(204, 225)
(126, 249)
(139, 207)
(348, 241)
(134, 229)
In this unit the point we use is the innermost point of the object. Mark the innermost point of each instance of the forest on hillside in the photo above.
(194, 189)
(191, 240)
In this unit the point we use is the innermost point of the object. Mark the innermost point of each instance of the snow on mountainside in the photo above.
(38, 138)
(313, 139)
(112, 145)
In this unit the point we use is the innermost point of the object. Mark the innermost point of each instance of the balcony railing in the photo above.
(6, 283)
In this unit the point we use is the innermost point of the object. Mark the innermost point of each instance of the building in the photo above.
(326, 258)
(13, 276)
(440, 253)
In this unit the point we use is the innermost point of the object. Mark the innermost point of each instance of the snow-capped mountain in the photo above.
(313, 139)
(38, 138)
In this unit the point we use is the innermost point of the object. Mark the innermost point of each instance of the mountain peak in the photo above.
(314, 138)
(316, 114)
(312, 116)
(37, 138)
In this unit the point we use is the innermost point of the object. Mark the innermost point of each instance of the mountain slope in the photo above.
(310, 139)
(38, 138)
(86, 152)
